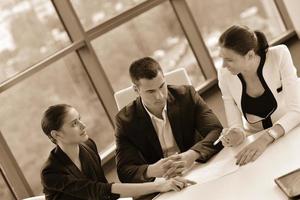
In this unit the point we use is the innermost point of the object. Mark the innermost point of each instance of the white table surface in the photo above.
(254, 181)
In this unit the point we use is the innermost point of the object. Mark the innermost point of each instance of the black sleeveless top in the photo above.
(262, 106)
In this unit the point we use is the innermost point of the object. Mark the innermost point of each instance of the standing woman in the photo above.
(260, 90)
(73, 169)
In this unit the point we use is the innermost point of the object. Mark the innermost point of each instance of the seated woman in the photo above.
(73, 169)
(259, 90)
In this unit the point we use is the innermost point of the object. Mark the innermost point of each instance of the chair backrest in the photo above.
(127, 95)
(36, 198)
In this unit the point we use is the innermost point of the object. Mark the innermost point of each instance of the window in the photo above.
(257, 14)
(30, 31)
(155, 33)
(5, 192)
(65, 81)
(93, 12)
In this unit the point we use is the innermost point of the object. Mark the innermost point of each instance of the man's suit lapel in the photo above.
(175, 119)
(148, 128)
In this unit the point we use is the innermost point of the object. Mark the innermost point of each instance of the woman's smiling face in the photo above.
(234, 62)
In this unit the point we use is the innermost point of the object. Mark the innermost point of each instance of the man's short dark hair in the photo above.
(146, 67)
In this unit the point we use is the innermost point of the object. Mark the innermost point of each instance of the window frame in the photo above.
(81, 45)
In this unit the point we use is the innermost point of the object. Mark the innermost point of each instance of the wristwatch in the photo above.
(273, 134)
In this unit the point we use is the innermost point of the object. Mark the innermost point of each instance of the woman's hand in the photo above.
(232, 137)
(253, 150)
(176, 184)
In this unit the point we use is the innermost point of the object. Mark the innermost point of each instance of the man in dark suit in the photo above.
(164, 130)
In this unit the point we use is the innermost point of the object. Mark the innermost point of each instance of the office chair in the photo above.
(36, 198)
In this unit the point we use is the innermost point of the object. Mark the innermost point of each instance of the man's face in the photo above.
(153, 92)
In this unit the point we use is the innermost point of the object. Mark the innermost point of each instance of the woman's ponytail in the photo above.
(262, 43)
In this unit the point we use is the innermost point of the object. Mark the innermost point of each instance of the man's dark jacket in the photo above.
(193, 124)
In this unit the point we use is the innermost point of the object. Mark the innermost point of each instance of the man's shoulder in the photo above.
(181, 90)
(128, 112)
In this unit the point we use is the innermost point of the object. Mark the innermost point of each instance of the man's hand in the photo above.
(172, 166)
(176, 168)
(186, 160)
(164, 166)
(253, 150)
(189, 157)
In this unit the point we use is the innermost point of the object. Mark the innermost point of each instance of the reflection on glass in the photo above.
(214, 16)
(5, 193)
(62, 82)
(91, 12)
(30, 31)
(155, 33)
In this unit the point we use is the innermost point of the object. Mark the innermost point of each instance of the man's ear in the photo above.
(135, 88)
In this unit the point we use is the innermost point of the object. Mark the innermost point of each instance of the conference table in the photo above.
(254, 181)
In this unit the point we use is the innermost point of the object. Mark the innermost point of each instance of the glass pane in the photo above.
(5, 193)
(214, 16)
(156, 33)
(30, 31)
(22, 107)
(93, 12)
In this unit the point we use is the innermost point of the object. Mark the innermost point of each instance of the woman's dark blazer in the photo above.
(61, 179)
